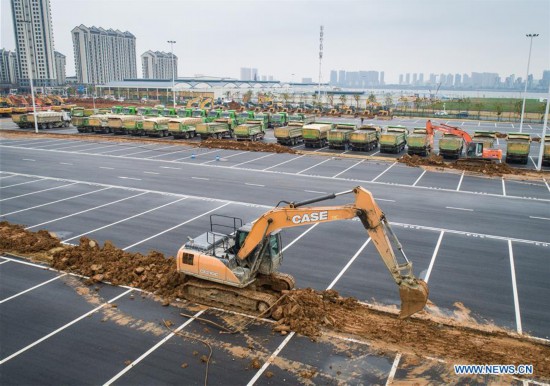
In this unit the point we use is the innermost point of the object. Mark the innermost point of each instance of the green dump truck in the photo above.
(44, 119)
(316, 134)
(184, 113)
(201, 113)
(289, 135)
(264, 117)
(546, 153)
(365, 138)
(116, 123)
(156, 126)
(451, 146)
(301, 117)
(420, 142)
(214, 130)
(338, 138)
(517, 148)
(244, 116)
(488, 138)
(184, 127)
(394, 139)
(279, 119)
(252, 130)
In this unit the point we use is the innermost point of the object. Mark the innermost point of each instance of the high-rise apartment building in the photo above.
(415, 78)
(341, 77)
(400, 78)
(333, 77)
(421, 79)
(159, 65)
(102, 55)
(382, 78)
(8, 67)
(60, 62)
(32, 22)
(408, 79)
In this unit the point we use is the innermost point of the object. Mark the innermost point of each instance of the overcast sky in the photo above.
(281, 38)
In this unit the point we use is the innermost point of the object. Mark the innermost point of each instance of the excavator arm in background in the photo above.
(413, 291)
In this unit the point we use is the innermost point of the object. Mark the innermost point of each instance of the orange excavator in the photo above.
(475, 150)
(240, 268)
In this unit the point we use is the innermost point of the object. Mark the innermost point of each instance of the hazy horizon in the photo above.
(281, 38)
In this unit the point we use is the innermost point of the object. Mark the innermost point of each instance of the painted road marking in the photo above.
(4, 177)
(86, 210)
(514, 288)
(130, 178)
(376, 152)
(315, 191)
(282, 163)
(345, 170)
(250, 184)
(123, 220)
(418, 179)
(152, 349)
(460, 182)
(311, 167)
(503, 187)
(174, 227)
(196, 155)
(540, 218)
(106, 167)
(432, 261)
(29, 159)
(55, 202)
(381, 174)
(154, 149)
(314, 151)
(63, 327)
(169, 167)
(65, 163)
(384, 199)
(38, 191)
(151, 173)
(255, 159)
(452, 207)
(533, 161)
(32, 288)
(171, 152)
(546, 183)
(73, 146)
(350, 262)
(393, 369)
(201, 178)
(229, 156)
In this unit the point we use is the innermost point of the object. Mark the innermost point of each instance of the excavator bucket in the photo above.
(413, 298)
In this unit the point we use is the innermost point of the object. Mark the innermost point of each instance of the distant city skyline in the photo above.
(414, 36)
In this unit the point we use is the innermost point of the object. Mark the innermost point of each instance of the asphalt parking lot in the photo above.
(479, 241)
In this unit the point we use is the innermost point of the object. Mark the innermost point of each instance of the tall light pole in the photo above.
(29, 71)
(172, 42)
(541, 150)
(530, 36)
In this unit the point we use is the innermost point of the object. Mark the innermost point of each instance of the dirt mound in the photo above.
(487, 168)
(16, 239)
(246, 145)
(310, 312)
(501, 135)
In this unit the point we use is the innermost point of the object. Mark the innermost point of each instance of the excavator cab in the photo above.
(474, 150)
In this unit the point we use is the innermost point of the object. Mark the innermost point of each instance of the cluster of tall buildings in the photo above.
(159, 65)
(475, 80)
(252, 74)
(356, 79)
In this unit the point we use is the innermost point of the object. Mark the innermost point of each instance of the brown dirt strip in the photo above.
(305, 311)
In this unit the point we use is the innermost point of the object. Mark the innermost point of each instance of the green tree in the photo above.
(517, 107)
(247, 96)
(541, 110)
(331, 100)
(499, 108)
(371, 98)
(388, 100)
(357, 98)
(478, 106)
(286, 97)
(343, 99)
(467, 104)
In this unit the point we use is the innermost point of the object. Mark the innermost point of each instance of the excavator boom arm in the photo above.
(414, 292)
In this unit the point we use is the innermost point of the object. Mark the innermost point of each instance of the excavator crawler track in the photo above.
(222, 296)
(277, 281)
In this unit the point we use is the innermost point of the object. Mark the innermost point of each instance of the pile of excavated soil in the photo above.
(309, 312)
(305, 311)
(246, 145)
(489, 169)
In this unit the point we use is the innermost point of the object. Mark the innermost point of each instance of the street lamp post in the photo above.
(530, 36)
(172, 42)
(29, 71)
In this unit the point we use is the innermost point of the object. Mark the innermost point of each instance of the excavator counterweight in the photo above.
(240, 268)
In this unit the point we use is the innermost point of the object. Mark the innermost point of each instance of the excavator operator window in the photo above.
(274, 244)
(187, 258)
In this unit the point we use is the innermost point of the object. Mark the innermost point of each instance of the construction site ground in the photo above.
(481, 243)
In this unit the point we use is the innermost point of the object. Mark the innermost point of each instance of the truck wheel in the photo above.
(186, 135)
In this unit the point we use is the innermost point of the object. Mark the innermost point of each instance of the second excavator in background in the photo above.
(239, 269)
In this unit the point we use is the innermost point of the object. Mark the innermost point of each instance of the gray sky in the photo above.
(282, 37)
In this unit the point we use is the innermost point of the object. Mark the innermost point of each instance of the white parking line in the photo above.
(376, 152)
(130, 178)
(513, 127)
(145, 151)
(4, 262)
(393, 369)
(65, 163)
(418, 179)
(311, 167)
(315, 191)
(255, 159)
(106, 167)
(250, 184)
(174, 227)
(152, 349)
(432, 261)
(384, 199)
(381, 174)
(514, 288)
(55, 202)
(479, 123)
(282, 163)
(503, 187)
(41, 144)
(4, 177)
(460, 182)
(465, 209)
(201, 178)
(63, 327)
(151, 173)
(123, 220)
(28, 159)
(101, 147)
(229, 156)
(86, 210)
(169, 167)
(73, 146)
(345, 170)
(533, 161)
(350, 262)
(540, 218)
(546, 183)
(122, 148)
(196, 155)
(38, 191)
(32, 288)
(170, 152)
